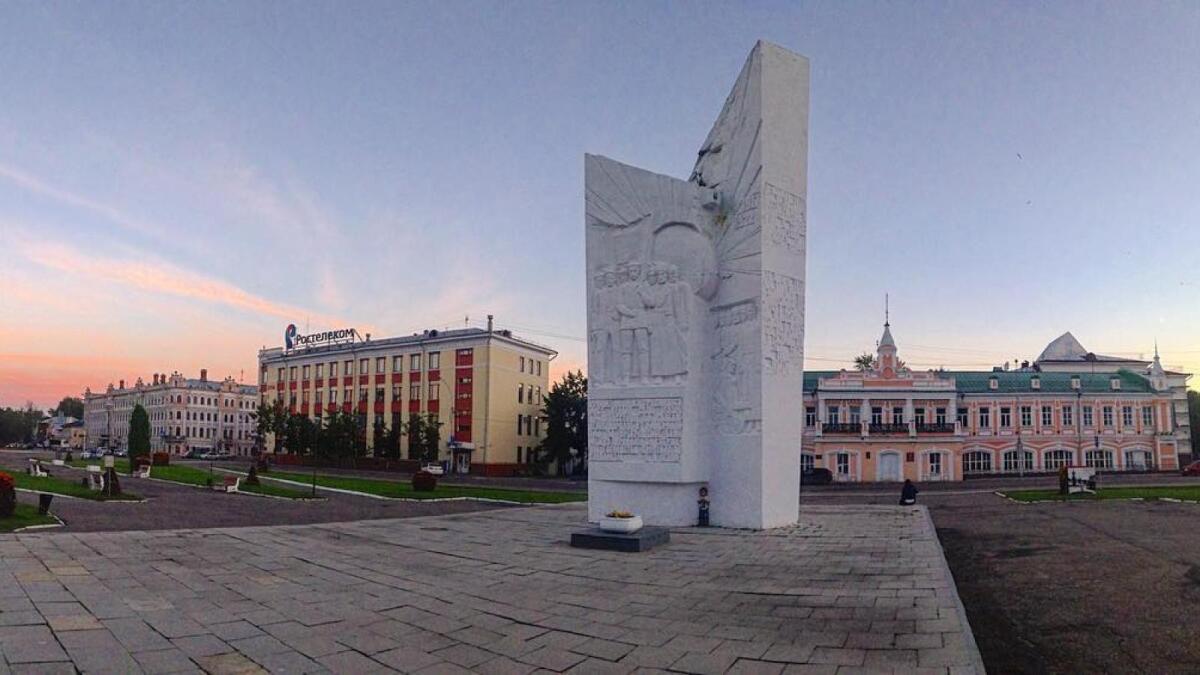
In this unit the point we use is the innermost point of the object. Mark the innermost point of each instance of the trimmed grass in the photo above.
(62, 486)
(188, 475)
(1189, 493)
(24, 516)
(403, 490)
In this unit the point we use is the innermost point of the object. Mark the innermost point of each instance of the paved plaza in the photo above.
(850, 589)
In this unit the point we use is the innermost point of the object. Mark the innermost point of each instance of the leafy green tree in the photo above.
(864, 362)
(564, 410)
(19, 425)
(271, 420)
(340, 438)
(1193, 398)
(70, 406)
(414, 429)
(139, 434)
(391, 442)
(431, 439)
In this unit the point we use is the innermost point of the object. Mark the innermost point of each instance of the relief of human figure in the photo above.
(604, 322)
(665, 300)
(634, 333)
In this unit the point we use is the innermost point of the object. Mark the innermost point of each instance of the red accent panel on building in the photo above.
(379, 406)
(320, 383)
(279, 386)
(435, 375)
(397, 377)
(467, 359)
(347, 380)
(292, 409)
(364, 379)
(434, 406)
(414, 376)
(346, 408)
(331, 407)
(397, 407)
(332, 382)
(303, 408)
(262, 387)
(380, 378)
(305, 384)
(362, 407)
(292, 385)
(414, 406)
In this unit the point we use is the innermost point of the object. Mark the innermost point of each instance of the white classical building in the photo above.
(185, 414)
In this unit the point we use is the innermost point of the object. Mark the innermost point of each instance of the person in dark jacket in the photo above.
(908, 494)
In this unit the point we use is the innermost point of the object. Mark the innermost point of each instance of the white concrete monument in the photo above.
(696, 315)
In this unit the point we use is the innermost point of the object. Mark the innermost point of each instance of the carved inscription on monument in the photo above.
(785, 212)
(635, 430)
(782, 323)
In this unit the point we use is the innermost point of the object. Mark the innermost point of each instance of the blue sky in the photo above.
(178, 181)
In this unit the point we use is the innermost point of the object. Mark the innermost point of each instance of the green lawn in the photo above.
(1183, 492)
(65, 486)
(24, 516)
(403, 490)
(192, 476)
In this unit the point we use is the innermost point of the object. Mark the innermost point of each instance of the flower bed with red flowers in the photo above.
(8, 495)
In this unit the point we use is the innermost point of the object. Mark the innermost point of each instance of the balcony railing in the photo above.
(889, 428)
(935, 428)
(841, 428)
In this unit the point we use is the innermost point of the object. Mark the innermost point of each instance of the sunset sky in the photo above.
(179, 181)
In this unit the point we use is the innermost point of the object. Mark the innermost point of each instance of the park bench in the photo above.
(95, 477)
(36, 470)
(143, 471)
(228, 484)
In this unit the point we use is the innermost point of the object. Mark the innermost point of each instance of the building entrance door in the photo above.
(462, 463)
(889, 467)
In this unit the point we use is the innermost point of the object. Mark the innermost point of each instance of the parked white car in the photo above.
(435, 469)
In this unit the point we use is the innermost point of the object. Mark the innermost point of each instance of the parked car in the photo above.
(1192, 469)
(435, 469)
(121, 452)
(194, 453)
(816, 476)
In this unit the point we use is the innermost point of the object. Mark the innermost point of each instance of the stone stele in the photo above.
(696, 315)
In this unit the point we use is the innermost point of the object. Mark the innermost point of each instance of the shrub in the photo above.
(252, 476)
(69, 457)
(423, 481)
(161, 459)
(8, 495)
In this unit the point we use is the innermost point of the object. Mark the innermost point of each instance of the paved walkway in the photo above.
(849, 589)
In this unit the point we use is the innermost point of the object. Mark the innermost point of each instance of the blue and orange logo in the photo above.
(289, 335)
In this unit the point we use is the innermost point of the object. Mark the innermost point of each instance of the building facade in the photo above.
(1070, 407)
(185, 414)
(484, 387)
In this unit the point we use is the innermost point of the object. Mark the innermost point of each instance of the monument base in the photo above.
(664, 504)
(629, 542)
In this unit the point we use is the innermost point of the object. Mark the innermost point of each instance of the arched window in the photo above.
(1056, 458)
(1100, 459)
(1138, 459)
(977, 462)
(806, 461)
(1013, 461)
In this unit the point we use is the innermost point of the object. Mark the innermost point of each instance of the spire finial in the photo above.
(886, 311)
(1156, 348)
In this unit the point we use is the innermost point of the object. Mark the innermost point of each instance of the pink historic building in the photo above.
(1069, 407)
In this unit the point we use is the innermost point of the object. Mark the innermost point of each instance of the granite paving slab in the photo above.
(847, 589)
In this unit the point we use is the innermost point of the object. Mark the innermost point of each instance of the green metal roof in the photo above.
(976, 381)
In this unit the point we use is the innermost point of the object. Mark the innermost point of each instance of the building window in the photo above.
(435, 360)
(397, 364)
(304, 397)
(1005, 417)
(1026, 416)
(1087, 416)
(305, 371)
(333, 395)
(1067, 416)
(414, 391)
(810, 417)
(919, 416)
(320, 370)
(897, 415)
(433, 391)
(414, 362)
(876, 415)
(939, 416)
(381, 365)
(806, 461)
(1127, 415)
(855, 413)
(1053, 459)
(1047, 416)
(977, 462)
(379, 394)
(395, 392)
(834, 416)
(935, 464)
(520, 393)
(347, 368)
(1115, 383)
(317, 398)
(993, 382)
(522, 364)
(1100, 459)
(520, 420)
(1147, 417)
(962, 417)
(1018, 461)
(364, 366)
(843, 463)
(292, 374)
(1108, 416)
(333, 368)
